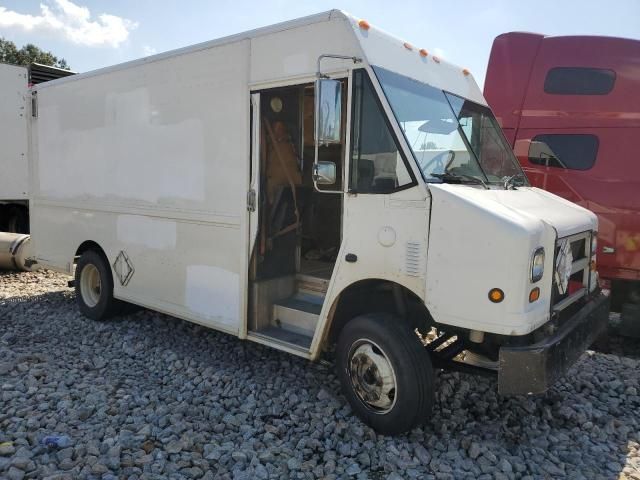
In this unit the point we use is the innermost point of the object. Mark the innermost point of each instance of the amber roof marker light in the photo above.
(364, 25)
(423, 52)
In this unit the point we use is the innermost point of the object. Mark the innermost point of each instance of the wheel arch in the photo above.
(374, 295)
(89, 245)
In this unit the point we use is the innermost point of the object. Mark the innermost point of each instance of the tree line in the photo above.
(28, 54)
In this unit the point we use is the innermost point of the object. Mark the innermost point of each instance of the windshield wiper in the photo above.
(450, 177)
(509, 182)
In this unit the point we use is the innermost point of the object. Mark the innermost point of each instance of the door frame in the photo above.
(253, 181)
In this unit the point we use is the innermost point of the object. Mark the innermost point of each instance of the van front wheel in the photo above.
(385, 373)
(94, 286)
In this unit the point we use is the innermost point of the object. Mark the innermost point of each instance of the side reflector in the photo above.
(408, 46)
(496, 295)
(423, 52)
(534, 295)
(364, 25)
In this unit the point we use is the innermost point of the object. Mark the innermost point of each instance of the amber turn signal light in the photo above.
(534, 295)
(496, 295)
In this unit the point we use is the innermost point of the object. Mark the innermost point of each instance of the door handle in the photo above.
(351, 257)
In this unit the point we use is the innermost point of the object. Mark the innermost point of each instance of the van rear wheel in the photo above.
(385, 373)
(94, 286)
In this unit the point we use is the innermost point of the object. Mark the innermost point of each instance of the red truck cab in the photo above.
(570, 108)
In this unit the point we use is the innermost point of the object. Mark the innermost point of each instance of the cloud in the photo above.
(148, 50)
(71, 21)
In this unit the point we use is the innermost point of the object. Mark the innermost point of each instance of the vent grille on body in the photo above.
(43, 73)
(413, 259)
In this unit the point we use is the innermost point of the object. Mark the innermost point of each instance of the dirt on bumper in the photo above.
(532, 369)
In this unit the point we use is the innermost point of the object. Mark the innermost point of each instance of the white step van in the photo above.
(311, 185)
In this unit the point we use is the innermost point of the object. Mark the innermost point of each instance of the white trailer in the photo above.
(14, 154)
(316, 183)
(15, 97)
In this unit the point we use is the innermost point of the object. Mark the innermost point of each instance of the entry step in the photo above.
(285, 336)
(312, 285)
(298, 313)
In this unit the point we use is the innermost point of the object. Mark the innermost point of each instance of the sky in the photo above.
(91, 34)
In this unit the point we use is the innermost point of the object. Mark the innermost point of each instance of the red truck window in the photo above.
(579, 81)
(569, 151)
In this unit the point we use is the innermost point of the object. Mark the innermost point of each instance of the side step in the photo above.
(286, 337)
(312, 285)
(293, 320)
(298, 313)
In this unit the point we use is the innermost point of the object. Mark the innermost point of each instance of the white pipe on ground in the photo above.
(15, 250)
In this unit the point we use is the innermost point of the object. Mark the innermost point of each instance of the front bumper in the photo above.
(534, 368)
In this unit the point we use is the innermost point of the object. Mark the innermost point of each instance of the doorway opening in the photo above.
(299, 227)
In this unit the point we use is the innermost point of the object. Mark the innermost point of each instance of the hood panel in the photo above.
(529, 204)
(482, 239)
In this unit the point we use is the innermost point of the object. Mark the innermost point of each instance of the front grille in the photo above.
(572, 274)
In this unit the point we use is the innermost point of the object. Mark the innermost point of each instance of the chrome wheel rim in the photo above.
(90, 285)
(372, 376)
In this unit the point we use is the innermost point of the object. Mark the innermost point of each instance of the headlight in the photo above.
(537, 265)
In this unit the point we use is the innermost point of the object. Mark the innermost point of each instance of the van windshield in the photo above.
(452, 138)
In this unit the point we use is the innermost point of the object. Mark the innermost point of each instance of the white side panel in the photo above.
(152, 160)
(14, 117)
(159, 134)
(293, 53)
(388, 234)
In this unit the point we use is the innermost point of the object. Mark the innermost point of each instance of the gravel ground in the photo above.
(622, 346)
(150, 396)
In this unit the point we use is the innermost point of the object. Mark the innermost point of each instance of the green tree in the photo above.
(28, 54)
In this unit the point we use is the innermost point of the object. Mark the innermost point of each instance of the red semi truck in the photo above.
(570, 109)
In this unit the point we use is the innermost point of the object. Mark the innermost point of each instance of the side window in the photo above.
(573, 152)
(377, 164)
(579, 81)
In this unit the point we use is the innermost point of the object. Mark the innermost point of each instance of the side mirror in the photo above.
(328, 111)
(324, 173)
(541, 154)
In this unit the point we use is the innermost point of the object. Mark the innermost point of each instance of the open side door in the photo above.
(253, 195)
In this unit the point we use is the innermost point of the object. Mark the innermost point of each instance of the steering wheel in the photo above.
(440, 166)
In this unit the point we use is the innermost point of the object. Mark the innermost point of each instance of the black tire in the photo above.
(98, 305)
(413, 397)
